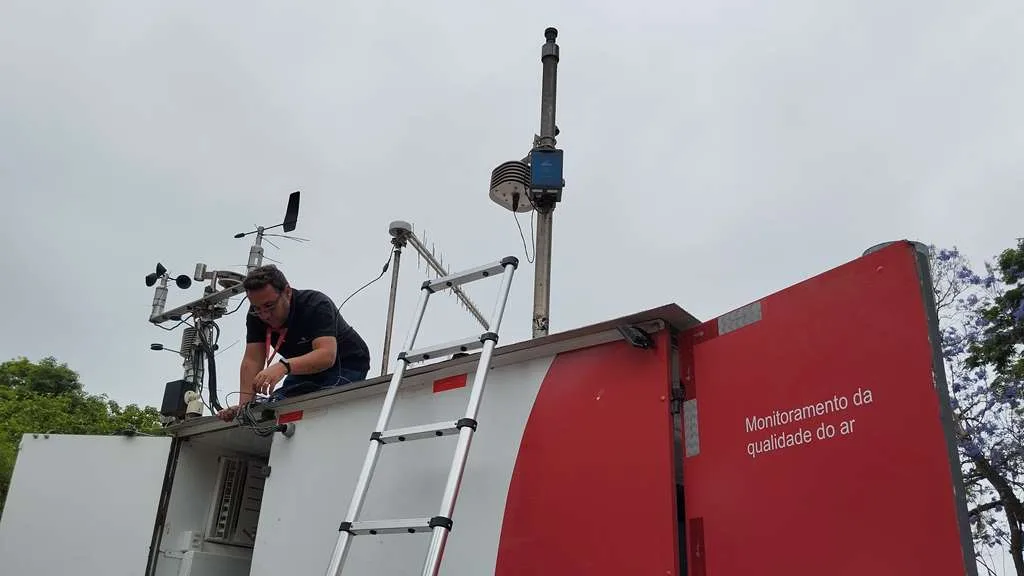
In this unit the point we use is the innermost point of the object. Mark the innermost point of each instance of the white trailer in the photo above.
(592, 457)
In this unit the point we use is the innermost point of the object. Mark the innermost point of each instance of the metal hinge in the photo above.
(676, 403)
(636, 336)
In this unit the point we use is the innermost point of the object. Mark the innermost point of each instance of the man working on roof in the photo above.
(319, 349)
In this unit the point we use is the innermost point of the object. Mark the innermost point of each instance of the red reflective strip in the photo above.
(287, 417)
(450, 383)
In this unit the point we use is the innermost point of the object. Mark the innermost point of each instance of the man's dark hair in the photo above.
(263, 276)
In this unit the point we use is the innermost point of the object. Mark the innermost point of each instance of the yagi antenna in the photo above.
(436, 263)
(402, 234)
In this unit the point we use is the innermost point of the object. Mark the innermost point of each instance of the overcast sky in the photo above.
(715, 152)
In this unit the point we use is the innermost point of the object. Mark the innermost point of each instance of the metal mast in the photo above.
(543, 201)
(535, 184)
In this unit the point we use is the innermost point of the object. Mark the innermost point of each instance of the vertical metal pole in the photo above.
(542, 272)
(549, 85)
(159, 297)
(256, 251)
(545, 206)
(398, 242)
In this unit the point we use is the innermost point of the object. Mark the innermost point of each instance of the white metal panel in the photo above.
(313, 475)
(82, 505)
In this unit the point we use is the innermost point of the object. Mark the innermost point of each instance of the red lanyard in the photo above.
(280, 341)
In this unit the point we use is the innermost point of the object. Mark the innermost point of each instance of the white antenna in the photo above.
(437, 264)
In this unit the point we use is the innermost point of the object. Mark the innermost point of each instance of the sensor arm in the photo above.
(208, 300)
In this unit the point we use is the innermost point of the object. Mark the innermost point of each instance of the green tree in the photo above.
(44, 377)
(48, 397)
(982, 326)
(1002, 339)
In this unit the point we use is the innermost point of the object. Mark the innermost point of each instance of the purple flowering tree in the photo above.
(981, 319)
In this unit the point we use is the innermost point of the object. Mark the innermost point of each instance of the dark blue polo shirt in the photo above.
(313, 314)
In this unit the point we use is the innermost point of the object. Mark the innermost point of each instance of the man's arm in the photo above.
(325, 349)
(322, 328)
(252, 362)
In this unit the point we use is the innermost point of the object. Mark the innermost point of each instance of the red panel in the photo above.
(593, 491)
(450, 383)
(877, 495)
(293, 416)
(695, 530)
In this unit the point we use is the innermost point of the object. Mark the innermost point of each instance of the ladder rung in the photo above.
(471, 275)
(400, 526)
(439, 350)
(417, 432)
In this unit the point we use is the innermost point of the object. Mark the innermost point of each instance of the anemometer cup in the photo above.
(152, 277)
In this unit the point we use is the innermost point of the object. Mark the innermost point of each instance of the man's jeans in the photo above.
(296, 385)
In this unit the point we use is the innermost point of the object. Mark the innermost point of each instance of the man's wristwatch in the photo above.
(287, 366)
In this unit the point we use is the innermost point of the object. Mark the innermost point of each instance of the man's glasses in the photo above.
(266, 308)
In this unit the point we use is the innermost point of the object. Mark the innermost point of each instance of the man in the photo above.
(319, 349)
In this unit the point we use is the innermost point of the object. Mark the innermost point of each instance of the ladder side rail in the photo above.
(476, 393)
(442, 525)
(401, 363)
(343, 543)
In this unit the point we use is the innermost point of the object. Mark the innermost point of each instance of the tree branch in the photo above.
(985, 508)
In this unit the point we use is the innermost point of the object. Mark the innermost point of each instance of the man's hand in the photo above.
(228, 414)
(267, 378)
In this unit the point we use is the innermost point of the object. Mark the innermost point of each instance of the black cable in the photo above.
(172, 328)
(244, 298)
(521, 235)
(211, 366)
(211, 363)
(387, 264)
(515, 214)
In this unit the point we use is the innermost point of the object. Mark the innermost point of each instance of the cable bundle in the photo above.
(249, 416)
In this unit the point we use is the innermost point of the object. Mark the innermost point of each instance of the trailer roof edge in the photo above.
(653, 319)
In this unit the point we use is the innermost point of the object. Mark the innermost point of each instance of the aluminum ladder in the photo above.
(441, 524)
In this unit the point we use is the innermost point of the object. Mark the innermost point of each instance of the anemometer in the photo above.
(183, 398)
